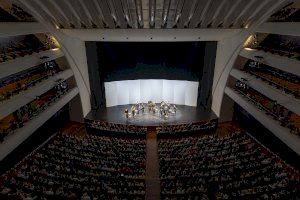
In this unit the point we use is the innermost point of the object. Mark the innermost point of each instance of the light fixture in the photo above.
(249, 49)
(251, 41)
(152, 9)
(165, 12)
(139, 13)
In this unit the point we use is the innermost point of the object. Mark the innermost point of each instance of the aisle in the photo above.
(152, 166)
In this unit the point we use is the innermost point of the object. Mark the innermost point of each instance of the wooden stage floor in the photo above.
(184, 115)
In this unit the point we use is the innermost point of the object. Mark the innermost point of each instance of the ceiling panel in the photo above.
(127, 14)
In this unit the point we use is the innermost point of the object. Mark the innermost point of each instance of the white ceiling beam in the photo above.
(133, 13)
(106, 13)
(215, 18)
(245, 10)
(165, 12)
(44, 11)
(60, 12)
(139, 13)
(87, 13)
(253, 11)
(74, 13)
(197, 15)
(256, 17)
(127, 12)
(112, 11)
(152, 12)
(94, 14)
(210, 12)
(229, 14)
(178, 10)
(204, 12)
(96, 5)
(151, 34)
(258, 8)
(184, 18)
(78, 9)
(120, 15)
(72, 18)
(55, 13)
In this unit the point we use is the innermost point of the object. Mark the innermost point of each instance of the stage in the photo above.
(184, 115)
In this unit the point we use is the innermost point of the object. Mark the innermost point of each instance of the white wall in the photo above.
(75, 53)
(157, 90)
(227, 52)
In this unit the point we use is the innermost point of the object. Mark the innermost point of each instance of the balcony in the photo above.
(280, 28)
(22, 63)
(283, 133)
(21, 134)
(17, 101)
(20, 28)
(286, 100)
(283, 63)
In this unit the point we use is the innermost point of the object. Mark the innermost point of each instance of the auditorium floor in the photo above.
(153, 187)
(74, 128)
(225, 128)
(152, 163)
(152, 167)
(78, 129)
(152, 179)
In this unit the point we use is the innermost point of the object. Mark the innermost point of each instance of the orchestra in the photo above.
(163, 110)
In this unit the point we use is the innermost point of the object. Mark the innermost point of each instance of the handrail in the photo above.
(256, 103)
(269, 81)
(26, 86)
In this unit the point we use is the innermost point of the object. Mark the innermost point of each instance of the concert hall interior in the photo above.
(150, 99)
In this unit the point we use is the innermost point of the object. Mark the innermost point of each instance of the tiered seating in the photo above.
(17, 119)
(90, 167)
(233, 167)
(278, 112)
(115, 128)
(281, 45)
(175, 130)
(286, 14)
(15, 14)
(28, 45)
(16, 83)
(289, 83)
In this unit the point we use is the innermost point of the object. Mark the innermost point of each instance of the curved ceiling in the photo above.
(127, 14)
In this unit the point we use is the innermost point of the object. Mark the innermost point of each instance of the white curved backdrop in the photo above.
(157, 90)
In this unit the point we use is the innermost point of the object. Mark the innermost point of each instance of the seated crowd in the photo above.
(278, 112)
(87, 168)
(232, 167)
(288, 13)
(282, 45)
(14, 13)
(205, 126)
(18, 118)
(287, 82)
(116, 128)
(28, 45)
(16, 83)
